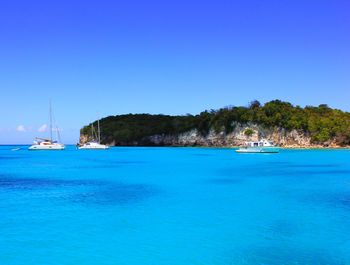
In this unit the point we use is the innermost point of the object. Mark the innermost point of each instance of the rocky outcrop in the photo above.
(238, 137)
(84, 138)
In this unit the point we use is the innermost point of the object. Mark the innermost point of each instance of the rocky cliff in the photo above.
(238, 137)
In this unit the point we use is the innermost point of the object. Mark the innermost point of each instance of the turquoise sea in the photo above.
(174, 206)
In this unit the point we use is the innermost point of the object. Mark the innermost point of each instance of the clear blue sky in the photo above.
(170, 57)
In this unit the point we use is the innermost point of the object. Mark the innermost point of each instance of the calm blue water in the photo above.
(174, 206)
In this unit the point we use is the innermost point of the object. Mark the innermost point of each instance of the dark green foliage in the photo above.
(322, 122)
(248, 132)
(125, 129)
(254, 104)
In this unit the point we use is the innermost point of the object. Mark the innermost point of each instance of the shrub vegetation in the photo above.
(248, 132)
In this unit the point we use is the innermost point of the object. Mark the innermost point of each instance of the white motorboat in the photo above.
(48, 144)
(262, 146)
(94, 144)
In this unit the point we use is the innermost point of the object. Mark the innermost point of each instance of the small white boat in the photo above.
(48, 144)
(94, 144)
(262, 146)
(15, 149)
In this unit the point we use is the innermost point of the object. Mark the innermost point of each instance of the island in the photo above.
(281, 122)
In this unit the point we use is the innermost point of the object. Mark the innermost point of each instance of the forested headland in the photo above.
(322, 124)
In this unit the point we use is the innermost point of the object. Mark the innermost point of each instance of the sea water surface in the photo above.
(174, 206)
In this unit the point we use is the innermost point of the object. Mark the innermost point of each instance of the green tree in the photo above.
(248, 132)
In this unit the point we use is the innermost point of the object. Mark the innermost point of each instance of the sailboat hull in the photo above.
(94, 146)
(38, 147)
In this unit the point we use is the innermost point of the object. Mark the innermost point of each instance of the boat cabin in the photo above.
(262, 143)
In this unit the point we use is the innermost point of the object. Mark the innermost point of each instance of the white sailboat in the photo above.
(47, 144)
(94, 144)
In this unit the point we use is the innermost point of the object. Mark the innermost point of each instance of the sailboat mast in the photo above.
(92, 132)
(99, 132)
(50, 121)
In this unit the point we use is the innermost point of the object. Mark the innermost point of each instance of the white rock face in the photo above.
(83, 138)
(237, 137)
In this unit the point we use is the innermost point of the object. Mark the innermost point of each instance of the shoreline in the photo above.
(281, 147)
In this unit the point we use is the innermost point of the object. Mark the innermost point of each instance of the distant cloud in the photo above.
(42, 128)
(21, 128)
